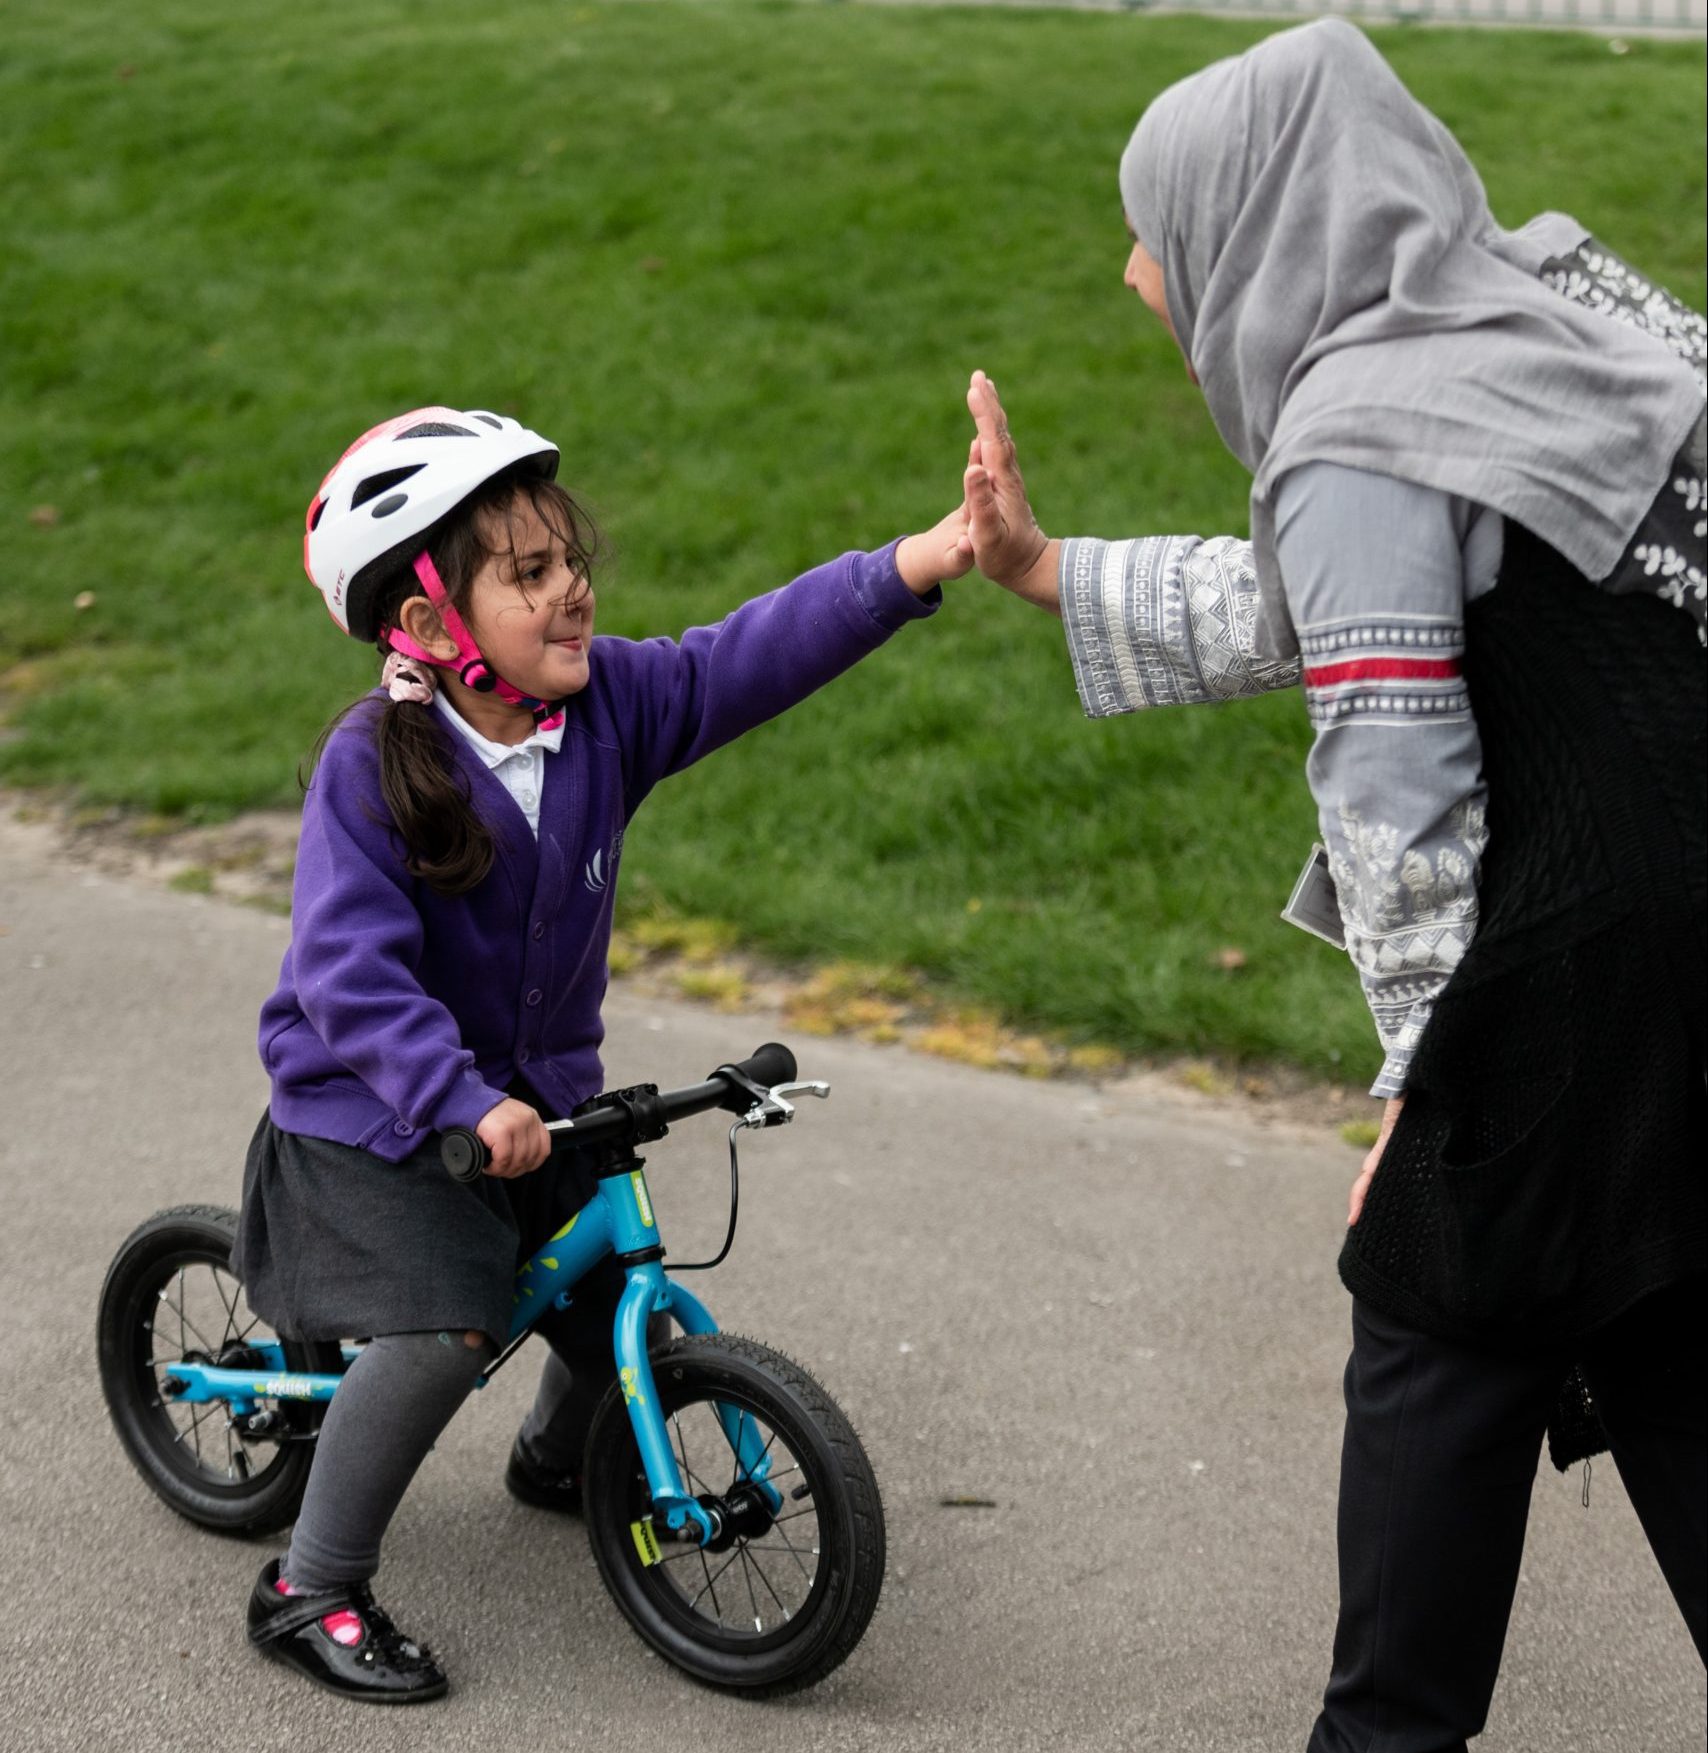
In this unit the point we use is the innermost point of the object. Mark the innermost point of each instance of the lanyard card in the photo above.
(1313, 906)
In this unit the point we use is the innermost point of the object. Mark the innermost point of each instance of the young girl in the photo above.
(452, 909)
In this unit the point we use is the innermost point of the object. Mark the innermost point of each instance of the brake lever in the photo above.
(776, 1109)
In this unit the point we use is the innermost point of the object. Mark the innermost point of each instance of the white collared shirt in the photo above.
(520, 767)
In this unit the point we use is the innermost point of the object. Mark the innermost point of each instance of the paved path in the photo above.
(1119, 1321)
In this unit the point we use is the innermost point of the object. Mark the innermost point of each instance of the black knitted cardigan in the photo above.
(1547, 1170)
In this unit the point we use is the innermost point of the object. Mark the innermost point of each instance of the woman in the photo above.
(1477, 513)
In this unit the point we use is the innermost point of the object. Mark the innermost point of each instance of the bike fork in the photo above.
(649, 1291)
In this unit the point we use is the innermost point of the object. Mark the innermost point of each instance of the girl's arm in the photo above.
(1157, 621)
(678, 700)
(356, 946)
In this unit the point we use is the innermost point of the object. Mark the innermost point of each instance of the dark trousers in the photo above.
(1441, 1449)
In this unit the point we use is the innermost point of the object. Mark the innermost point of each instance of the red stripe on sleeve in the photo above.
(1383, 669)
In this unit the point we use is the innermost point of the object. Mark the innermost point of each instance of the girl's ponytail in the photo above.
(446, 844)
(449, 847)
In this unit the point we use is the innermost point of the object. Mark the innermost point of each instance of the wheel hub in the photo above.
(743, 1514)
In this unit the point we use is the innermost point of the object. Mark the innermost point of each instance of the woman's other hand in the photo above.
(1367, 1173)
(517, 1138)
(942, 552)
(1010, 548)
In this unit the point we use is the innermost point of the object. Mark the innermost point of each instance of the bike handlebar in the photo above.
(606, 1117)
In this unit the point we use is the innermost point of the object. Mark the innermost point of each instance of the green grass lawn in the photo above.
(738, 261)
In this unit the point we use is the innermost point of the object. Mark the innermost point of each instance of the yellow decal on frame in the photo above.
(638, 1181)
(646, 1542)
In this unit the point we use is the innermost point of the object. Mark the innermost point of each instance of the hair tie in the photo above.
(406, 679)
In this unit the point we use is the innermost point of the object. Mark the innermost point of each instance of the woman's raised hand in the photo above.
(1007, 544)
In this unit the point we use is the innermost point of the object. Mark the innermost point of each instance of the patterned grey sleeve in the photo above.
(1376, 582)
(1163, 621)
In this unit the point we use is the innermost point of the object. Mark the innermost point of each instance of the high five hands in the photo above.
(1007, 544)
(993, 526)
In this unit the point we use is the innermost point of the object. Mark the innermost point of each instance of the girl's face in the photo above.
(531, 611)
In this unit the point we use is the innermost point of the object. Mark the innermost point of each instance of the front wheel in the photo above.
(787, 1591)
(170, 1294)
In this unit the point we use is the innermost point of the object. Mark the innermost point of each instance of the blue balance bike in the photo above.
(732, 1512)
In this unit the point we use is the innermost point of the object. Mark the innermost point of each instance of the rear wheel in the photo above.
(787, 1590)
(170, 1295)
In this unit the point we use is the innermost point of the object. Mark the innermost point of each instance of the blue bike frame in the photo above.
(617, 1219)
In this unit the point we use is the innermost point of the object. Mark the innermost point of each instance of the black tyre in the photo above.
(781, 1603)
(170, 1294)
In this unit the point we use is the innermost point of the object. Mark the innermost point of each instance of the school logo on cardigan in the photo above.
(601, 869)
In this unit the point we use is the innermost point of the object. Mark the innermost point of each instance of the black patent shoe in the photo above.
(384, 1668)
(541, 1487)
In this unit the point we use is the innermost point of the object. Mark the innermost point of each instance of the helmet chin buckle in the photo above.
(471, 668)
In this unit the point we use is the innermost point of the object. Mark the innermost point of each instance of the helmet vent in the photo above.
(492, 420)
(435, 429)
(375, 485)
(390, 504)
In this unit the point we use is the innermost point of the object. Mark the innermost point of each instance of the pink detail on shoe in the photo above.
(344, 1628)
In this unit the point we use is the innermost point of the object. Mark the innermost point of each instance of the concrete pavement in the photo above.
(1117, 1318)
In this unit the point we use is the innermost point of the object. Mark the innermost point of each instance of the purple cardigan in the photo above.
(399, 1011)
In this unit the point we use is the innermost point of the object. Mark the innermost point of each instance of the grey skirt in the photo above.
(335, 1243)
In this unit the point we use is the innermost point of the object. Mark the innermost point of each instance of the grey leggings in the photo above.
(390, 1408)
(388, 1412)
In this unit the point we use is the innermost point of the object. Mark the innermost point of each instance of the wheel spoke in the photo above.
(688, 1473)
(747, 1573)
(711, 1577)
(229, 1302)
(751, 1555)
(193, 1430)
(795, 1553)
(184, 1320)
(753, 1471)
(740, 1432)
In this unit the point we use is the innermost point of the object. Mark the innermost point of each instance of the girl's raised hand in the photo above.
(940, 553)
(517, 1138)
(1010, 548)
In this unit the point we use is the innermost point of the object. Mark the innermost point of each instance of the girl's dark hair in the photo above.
(447, 844)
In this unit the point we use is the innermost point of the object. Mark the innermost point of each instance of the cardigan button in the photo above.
(534, 997)
(402, 1128)
(523, 1057)
(539, 930)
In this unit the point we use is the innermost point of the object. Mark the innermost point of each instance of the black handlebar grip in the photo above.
(772, 1064)
(464, 1156)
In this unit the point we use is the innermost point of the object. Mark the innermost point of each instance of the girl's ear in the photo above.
(420, 620)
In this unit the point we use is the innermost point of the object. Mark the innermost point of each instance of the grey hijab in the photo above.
(1344, 294)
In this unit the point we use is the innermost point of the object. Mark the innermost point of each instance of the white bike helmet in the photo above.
(392, 486)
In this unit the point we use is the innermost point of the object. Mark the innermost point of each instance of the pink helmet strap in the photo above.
(470, 668)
